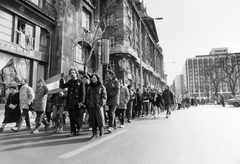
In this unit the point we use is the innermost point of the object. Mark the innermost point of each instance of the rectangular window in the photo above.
(112, 41)
(43, 45)
(86, 19)
(78, 53)
(111, 65)
(6, 26)
(39, 3)
(25, 35)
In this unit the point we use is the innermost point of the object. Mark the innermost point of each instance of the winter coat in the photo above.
(40, 101)
(137, 102)
(12, 115)
(157, 100)
(124, 98)
(97, 99)
(58, 100)
(49, 107)
(168, 97)
(87, 87)
(26, 96)
(146, 96)
(75, 94)
(113, 92)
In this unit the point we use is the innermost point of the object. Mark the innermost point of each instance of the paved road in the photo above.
(199, 135)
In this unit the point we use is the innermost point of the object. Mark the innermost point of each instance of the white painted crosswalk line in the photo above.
(93, 144)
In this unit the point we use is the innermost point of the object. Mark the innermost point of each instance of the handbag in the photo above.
(12, 106)
(31, 106)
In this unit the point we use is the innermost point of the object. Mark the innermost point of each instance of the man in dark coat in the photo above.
(137, 103)
(113, 95)
(168, 100)
(145, 98)
(75, 100)
(222, 100)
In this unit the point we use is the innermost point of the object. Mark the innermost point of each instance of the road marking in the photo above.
(93, 144)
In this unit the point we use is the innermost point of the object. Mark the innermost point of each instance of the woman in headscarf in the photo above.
(97, 99)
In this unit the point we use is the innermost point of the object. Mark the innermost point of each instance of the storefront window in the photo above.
(12, 69)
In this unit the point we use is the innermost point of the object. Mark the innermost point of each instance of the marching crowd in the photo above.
(87, 100)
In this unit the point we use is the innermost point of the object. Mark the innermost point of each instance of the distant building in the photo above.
(197, 84)
(218, 51)
(179, 85)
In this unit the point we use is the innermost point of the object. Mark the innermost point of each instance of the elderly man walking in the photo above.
(26, 97)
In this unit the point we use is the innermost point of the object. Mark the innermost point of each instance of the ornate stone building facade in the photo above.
(137, 41)
(43, 38)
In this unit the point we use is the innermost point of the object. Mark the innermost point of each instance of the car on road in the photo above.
(234, 101)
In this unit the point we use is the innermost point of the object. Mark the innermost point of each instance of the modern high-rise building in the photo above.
(179, 85)
(196, 81)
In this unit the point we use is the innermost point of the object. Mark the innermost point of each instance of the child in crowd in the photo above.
(49, 110)
(58, 110)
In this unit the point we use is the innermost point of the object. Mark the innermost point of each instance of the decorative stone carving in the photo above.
(59, 6)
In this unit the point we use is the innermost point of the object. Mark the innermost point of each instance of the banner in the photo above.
(105, 51)
(53, 83)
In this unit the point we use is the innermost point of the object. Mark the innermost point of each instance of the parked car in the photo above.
(234, 101)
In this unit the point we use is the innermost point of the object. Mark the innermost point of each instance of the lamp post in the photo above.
(140, 45)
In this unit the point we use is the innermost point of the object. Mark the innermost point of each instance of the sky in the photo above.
(194, 27)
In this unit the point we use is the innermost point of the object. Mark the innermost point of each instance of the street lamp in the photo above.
(140, 45)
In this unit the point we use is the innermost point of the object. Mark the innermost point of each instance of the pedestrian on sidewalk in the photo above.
(86, 80)
(49, 110)
(168, 100)
(145, 100)
(178, 101)
(222, 100)
(156, 102)
(74, 101)
(137, 103)
(122, 107)
(26, 97)
(129, 110)
(96, 100)
(40, 103)
(113, 93)
(12, 111)
(188, 102)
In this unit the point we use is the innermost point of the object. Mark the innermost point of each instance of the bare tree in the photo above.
(213, 72)
(101, 29)
(230, 64)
